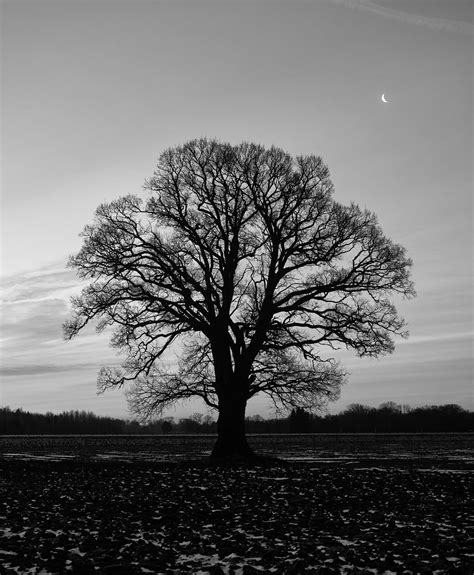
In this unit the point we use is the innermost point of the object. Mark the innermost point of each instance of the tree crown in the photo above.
(242, 255)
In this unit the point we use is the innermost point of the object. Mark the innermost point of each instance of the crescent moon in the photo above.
(384, 99)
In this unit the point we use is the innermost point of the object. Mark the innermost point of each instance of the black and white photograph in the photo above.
(237, 277)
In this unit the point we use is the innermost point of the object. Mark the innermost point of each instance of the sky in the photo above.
(93, 92)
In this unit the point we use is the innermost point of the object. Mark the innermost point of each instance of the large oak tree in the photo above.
(241, 261)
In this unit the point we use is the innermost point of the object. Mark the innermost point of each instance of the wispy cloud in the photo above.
(420, 18)
(34, 307)
(39, 369)
(33, 369)
(47, 283)
(439, 337)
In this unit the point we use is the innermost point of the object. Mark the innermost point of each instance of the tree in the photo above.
(197, 417)
(166, 426)
(358, 409)
(390, 407)
(241, 261)
(299, 420)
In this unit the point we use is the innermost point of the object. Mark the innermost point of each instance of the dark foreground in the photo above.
(138, 517)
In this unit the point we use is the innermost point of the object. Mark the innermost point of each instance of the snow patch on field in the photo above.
(432, 470)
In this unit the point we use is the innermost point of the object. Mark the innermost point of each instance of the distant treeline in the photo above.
(387, 418)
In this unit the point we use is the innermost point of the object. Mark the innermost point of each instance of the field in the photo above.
(441, 447)
(335, 504)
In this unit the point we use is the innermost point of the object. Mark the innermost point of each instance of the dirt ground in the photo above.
(142, 517)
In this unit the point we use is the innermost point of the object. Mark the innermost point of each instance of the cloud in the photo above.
(439, 337)
(421, 18)
(51, 282)
(34, 369)
(35, 305)
(33, 323)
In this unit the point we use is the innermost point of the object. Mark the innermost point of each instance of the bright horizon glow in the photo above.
(93, 94)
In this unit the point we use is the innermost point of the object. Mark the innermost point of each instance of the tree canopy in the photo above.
(241, 260)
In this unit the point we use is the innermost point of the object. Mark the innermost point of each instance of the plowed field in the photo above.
(351, 512)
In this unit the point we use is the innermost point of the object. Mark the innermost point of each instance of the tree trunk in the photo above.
(231, 440)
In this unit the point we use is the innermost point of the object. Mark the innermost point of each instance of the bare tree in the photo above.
(241, 260)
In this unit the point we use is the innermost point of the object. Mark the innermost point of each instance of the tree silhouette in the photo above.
(241, 261)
